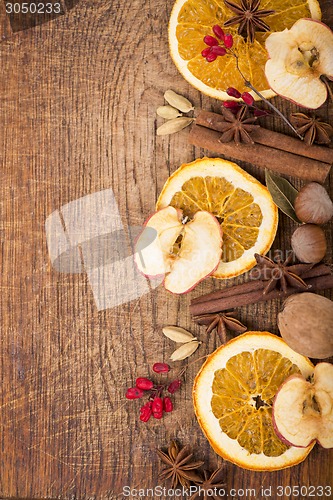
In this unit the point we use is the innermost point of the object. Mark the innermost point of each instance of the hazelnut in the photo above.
(306, 324)
(309, 243)
(313, 204)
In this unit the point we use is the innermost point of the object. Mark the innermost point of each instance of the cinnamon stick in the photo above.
(277, 160)
(256, 285)
(272, 139)
(223, 304)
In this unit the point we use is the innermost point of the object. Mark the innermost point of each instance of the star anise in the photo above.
(249, 17)
(210, 483)
(277, 272)
(313, 129)
(179, 468)
(222, 322)
(236, 127)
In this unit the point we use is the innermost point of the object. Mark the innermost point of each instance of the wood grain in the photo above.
(78, 99)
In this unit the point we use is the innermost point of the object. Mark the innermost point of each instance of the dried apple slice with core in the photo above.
(185, 252)
(298, 58)
(152, 248)
(303, 410)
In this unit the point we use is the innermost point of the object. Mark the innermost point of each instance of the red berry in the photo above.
(206, 51)
(144, 384)
(167, 404)
(174, 386)
(211, 57)
(228, 41)
(261, 112)
(230, 105)
(157, 404)
(157, 408)
(219, 51)
(210, 40)
(233, 92)
(146, 412)
(247, 98)
(218, 31)
(161, 368)
(144, 417)
(134, 393)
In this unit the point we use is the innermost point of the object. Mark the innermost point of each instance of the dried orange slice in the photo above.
(242, 205)
(191, 20)
(233, 395)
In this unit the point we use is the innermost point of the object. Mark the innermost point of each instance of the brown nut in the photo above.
(306, 324)
(313, 204)
(309, 243)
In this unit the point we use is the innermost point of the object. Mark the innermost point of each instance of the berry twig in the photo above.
(214, 50)
(157, 403)
(248, 84)
(247, 100)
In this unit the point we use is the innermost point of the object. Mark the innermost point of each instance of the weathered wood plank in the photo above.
(78, 100)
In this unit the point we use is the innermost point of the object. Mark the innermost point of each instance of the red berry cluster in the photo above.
(247, 99)
(215, 48)
(245, 96)
(157, 403)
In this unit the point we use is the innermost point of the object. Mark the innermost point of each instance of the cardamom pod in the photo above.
(185, 350)
(178, 334)
(173, 126)
(178, 101)
(168, 112)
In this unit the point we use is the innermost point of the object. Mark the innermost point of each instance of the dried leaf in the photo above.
(185, 350)
(178, 334)
(168, 112)
(173, 126)
(283, 194)
(178, 101)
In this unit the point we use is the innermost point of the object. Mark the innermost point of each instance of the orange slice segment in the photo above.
(191, 20)
(242, 205)
(233, 396)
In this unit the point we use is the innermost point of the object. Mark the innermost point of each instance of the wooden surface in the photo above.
(78, 99)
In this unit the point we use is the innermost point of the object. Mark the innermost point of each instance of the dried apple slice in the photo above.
(298, 58)
(303, 410)
(185, 252)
